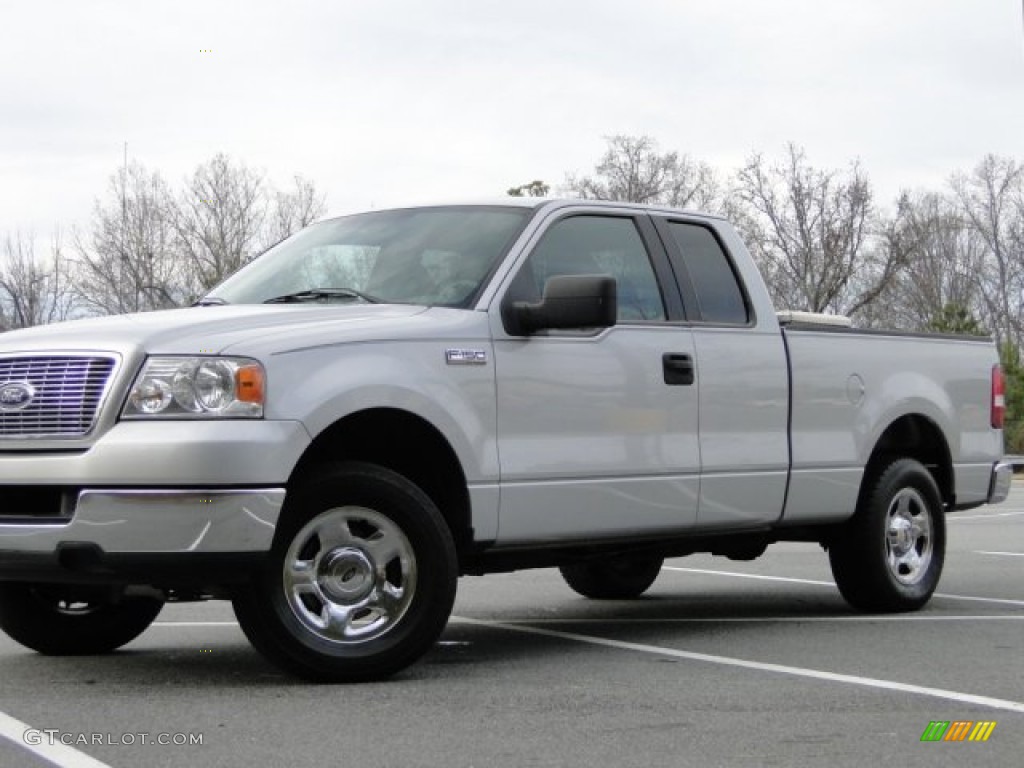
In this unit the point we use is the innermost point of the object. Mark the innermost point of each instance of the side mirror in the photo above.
(569, 301)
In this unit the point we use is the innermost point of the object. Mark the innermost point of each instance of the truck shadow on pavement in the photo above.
(480, 648)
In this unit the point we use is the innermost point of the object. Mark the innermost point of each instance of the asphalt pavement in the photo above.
(722, 663)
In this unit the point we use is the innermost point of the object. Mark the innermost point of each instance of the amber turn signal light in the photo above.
(249, 384)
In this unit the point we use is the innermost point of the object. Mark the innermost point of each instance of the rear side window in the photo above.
(718, 291)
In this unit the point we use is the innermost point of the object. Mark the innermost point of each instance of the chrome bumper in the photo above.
(156, 521)
(999, 486)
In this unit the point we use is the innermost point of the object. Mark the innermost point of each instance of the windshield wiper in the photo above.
(313, 294)
(209, 301)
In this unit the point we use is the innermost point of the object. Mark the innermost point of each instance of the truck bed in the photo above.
(848, 386)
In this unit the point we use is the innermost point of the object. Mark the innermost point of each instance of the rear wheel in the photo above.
(889, 556)
(614, 578)
(360, 581)
(65, 620)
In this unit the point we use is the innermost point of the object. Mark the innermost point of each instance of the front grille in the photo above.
(66, 393)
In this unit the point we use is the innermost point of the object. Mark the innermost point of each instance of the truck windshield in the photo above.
(434, 256)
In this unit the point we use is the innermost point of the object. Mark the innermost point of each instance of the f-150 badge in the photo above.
(466, 356)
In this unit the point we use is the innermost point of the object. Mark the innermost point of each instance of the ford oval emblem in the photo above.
(16, 395)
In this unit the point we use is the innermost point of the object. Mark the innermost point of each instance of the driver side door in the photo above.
(597, 431)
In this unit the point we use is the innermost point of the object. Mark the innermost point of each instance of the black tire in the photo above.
(623, 577)
(372, 572)
(889, 556)
(59, 620)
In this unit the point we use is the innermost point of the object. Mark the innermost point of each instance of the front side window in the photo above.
(595, 245)
(433, 256)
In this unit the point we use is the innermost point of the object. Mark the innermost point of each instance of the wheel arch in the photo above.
(404, 443)
(913, 436)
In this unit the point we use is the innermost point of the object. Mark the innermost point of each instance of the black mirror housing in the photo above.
(569, 301)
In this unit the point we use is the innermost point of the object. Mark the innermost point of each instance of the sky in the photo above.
(384, 101)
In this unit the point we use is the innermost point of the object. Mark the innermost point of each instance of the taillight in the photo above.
(998, 397)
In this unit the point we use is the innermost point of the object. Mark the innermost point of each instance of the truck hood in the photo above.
(211, 330)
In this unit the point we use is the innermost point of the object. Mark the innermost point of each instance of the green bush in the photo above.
(1013, 428)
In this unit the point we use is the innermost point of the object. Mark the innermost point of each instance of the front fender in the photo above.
(320, 386)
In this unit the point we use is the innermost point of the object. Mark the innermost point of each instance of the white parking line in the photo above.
(59, 754)
(969, 598)
(734, 574)
(766, 619)
(1004, 554)
(756, 576)
(956, 518)
(194, 624)
(833, 677)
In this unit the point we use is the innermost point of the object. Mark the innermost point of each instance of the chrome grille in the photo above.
(67, 393)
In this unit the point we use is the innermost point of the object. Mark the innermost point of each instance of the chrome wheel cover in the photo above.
(909, 538)
(349, 575)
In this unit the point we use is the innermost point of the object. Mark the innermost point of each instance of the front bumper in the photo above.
(165, 454)
(185, 495)
(177, 539)
(999, 486)
(155, 521)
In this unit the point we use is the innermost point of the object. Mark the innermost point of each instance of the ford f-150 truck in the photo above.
(387, 401)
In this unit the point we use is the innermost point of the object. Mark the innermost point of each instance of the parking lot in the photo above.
(722, 663)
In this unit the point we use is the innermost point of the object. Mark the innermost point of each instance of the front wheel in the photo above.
(889, 556)
(622, 577)
(360, 581)
(65, 620)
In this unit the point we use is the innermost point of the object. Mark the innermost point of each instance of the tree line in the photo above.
(948, 260)
(150, 246)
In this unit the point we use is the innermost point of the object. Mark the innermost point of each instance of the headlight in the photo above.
(197, 387)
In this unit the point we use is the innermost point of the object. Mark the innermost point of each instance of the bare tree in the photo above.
(219, 218)
(294, 209)
(942, 265)
(992, 201)
(148, 248)
(633, 170)
(811, 231)
(128, 262)
(33, 292)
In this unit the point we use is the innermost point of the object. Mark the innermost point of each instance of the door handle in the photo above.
(678, 369)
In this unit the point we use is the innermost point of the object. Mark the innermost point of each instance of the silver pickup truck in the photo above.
(386, 401)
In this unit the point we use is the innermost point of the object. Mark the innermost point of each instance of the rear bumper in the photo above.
(999, 486)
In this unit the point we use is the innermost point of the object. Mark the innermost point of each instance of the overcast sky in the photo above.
(380, 101)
